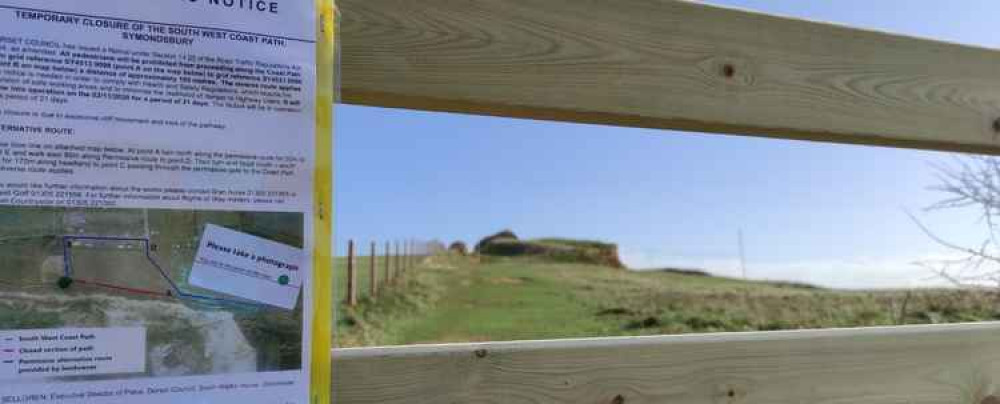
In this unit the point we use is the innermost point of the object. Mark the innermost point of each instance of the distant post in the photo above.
(352, 279)
(372, 273)
(387, 261)
(406, 254)
(395, 258)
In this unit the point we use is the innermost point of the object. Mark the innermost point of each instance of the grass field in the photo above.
(455, 299)
(364, 280)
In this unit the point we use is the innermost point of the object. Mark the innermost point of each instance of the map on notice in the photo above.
(69, 269)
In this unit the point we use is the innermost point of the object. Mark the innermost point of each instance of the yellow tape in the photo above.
(322, 327)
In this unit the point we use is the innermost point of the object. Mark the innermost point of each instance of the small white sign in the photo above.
(65, 352)
(247, 266)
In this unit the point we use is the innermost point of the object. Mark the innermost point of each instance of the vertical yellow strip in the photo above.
(322, 338)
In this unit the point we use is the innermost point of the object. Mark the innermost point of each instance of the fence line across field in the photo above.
(397, 258)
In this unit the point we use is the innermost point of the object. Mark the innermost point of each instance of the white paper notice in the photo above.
(249, 267)
(71, 352)
(157, 188)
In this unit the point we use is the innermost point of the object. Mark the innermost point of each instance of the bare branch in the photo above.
(968, 182)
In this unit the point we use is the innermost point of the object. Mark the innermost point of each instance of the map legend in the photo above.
(33, 354)
(8, 352)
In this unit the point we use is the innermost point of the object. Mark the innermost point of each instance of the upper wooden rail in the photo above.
(903, 365)
(672, 65)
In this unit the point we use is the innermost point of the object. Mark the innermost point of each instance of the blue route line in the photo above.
(68, 268)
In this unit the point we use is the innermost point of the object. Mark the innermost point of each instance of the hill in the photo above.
(458, 299)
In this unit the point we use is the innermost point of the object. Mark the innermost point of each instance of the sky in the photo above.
(832, 215)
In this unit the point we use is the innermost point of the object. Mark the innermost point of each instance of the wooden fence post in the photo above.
(372, 273)
(388, 275)
(352, 281)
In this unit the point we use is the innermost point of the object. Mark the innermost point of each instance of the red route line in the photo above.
(123, 288)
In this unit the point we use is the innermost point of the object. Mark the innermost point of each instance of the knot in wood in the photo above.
(732, 71)
(728, 70)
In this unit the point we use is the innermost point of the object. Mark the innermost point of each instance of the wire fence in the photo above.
(373, 267)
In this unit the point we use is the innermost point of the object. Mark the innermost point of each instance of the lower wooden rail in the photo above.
(955, 364)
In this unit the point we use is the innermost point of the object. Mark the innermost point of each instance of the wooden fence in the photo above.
(955, 364)
(383, 265)
(675, 64)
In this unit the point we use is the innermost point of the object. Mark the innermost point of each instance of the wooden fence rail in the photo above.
(670, 64)
(957, 364)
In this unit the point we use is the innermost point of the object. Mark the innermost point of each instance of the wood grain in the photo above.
(912, 365)
(672, 65)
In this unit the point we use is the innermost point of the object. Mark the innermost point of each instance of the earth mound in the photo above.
(458, 248)
(498, 238)
(507, 244)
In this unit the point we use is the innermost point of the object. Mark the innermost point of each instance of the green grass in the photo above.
(502, 301)
(365, 324)
(573, 243)
(454, 299)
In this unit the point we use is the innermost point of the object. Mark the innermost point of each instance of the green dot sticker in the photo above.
(283, 279)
